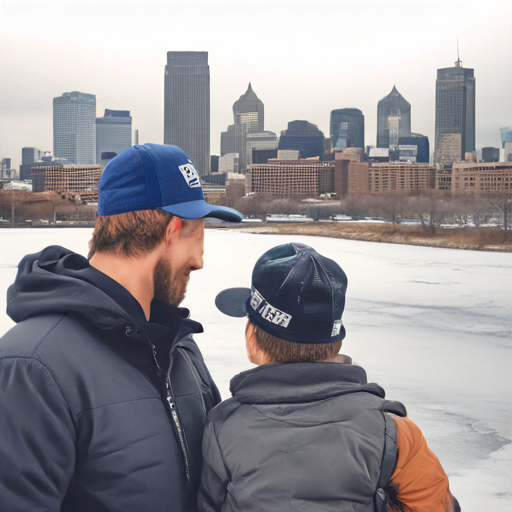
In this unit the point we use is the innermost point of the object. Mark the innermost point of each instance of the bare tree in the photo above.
(253, 206)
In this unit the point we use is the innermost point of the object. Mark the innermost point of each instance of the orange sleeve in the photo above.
(419, 483)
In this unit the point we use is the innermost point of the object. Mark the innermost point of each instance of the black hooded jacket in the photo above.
(99, 409)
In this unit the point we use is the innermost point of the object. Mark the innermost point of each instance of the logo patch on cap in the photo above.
(336, 328)
(191, 175)
(267, 311)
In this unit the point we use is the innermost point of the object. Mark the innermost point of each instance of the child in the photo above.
(303, 432)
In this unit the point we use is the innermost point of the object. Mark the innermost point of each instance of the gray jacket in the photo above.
(299, 437)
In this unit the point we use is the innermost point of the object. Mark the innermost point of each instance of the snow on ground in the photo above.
(432, 326)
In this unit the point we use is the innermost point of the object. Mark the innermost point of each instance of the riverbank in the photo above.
(480, 239)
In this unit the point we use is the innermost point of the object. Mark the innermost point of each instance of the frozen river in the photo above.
(432, 326)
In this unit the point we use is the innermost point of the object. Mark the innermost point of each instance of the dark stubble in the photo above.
(169, 286)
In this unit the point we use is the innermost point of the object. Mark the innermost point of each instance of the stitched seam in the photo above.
(119, 402)
(53, 379)
(45, 337)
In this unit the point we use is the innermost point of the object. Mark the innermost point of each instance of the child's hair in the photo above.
(282, 351)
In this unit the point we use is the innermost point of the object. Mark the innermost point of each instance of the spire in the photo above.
(249, 89)
(458, 63)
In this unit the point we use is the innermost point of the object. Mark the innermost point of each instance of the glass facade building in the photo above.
(347, 128)
(249, 103)
(74, 127)
(233, 141)
(422, 144)
(393, 119)
(491, 154)
(258, 141)
(304, 137)
(187, 106)
(455, 113)
(506, 136)
(29, 156)
(113, 132)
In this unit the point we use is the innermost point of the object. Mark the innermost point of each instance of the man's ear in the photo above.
(173, 229)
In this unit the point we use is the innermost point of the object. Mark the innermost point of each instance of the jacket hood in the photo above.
(50, 282)
(300, 382)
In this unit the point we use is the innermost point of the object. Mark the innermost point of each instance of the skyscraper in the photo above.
(113, 132)
(233, 141)
(29, 156)
(393, 119)
(455, 113)
(187, 106)
(74, 127)
(347, 128)
(249, 110)
(506, 136)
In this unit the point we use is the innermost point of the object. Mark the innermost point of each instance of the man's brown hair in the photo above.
(131, 234)
(282, 351)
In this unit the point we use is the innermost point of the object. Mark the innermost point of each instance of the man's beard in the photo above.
(169, 286)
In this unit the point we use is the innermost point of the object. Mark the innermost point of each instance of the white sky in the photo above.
(304, 59)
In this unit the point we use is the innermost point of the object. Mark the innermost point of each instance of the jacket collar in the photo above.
(300, 382)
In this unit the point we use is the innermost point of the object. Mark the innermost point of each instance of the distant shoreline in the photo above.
(479, 239)
(467, 238)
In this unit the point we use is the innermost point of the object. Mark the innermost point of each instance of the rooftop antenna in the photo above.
(458, 64)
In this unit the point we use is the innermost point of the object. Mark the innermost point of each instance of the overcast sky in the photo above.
(304, 59)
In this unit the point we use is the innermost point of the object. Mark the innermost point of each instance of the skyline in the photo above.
(300, 71)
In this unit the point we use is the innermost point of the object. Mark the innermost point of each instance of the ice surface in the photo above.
(432, 326)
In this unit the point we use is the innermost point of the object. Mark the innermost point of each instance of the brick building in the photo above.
(81, 179)
(292, 178)
(481, 177)
(400, 177)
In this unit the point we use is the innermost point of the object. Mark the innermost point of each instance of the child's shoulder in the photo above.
(221, 412)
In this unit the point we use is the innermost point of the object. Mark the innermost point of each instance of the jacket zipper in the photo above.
(181, 435)
(174, 414)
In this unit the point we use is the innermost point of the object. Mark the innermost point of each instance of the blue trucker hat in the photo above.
(297, 295)
(152, 176)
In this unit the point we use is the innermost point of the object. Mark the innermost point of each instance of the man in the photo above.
(104, 392)
(303, 432)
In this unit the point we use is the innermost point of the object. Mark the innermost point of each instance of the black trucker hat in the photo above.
(297, 295)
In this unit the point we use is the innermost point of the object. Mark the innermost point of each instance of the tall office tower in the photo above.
(304, 137)
(347, 128)
(233, 141)
(113, 132)
(249, 109)
(29, 156)
(455, 113)
(393, 119)
(5, 168)
(506, 136)
(74, 127)
(187, 106)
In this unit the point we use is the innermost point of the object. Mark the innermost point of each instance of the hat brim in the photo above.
(232, 301)
(200, 208)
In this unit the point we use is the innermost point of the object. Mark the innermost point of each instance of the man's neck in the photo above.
(134, 274)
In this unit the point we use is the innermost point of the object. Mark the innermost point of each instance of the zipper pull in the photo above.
(169, 395)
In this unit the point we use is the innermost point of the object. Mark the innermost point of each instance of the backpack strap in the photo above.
(390, 454)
